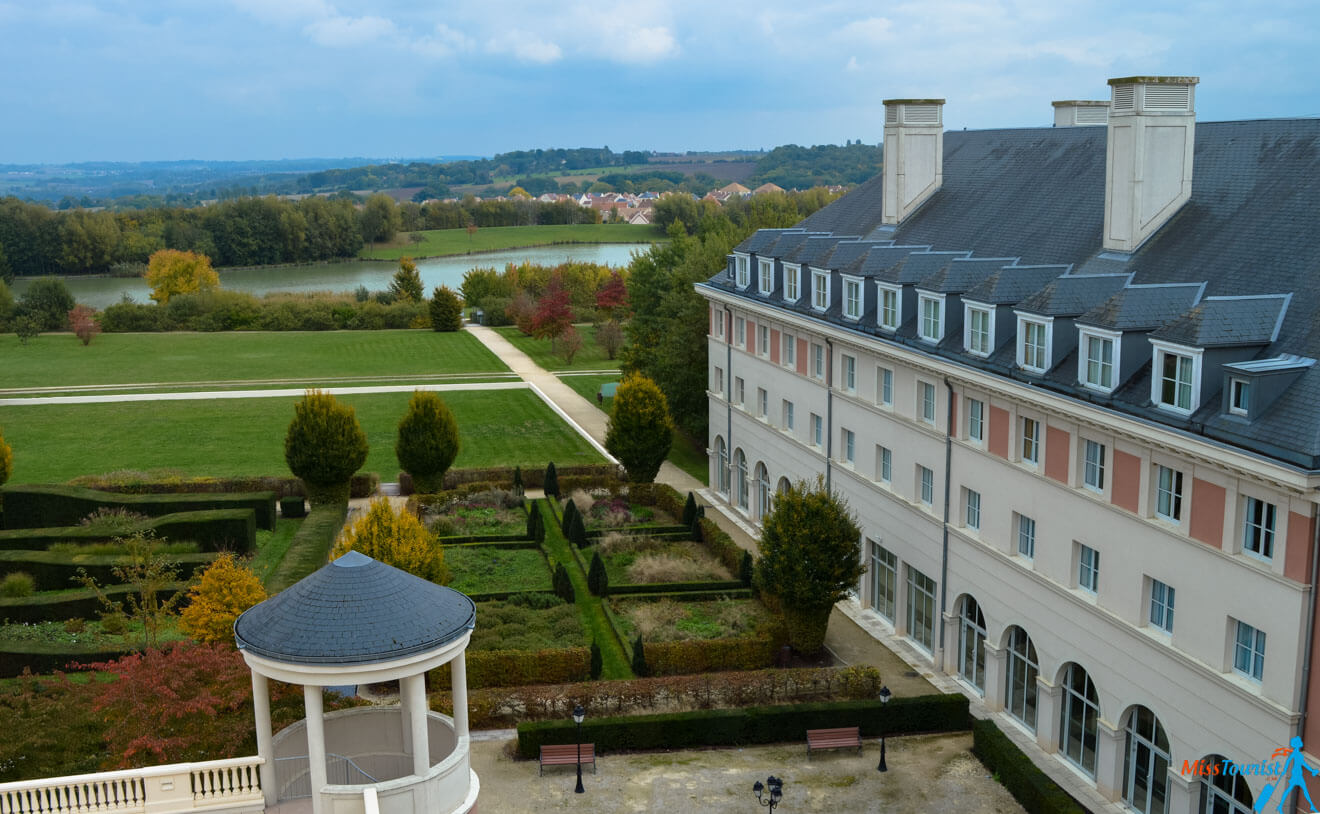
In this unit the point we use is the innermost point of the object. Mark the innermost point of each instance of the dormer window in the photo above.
(852, 298)
(791, 276)
(931, 326)
(979, 336)
(1239, 395)
(765, 275)
(1095, 361)
(820, 290)
(1175, 379)
(889, 308)
(741, 272)
(1033, 345)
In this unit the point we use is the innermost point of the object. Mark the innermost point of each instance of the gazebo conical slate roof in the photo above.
(355, 610)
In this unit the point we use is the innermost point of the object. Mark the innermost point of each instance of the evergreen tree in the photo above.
(577, 533)
(639, 658)
(427, 441)
(566, 519)
(597, 580)
(597, 663)
(563, 584)
(407, 282)
(517, 481)
(746, 569)
(551, 482)
(690, 510)
(324, 446)
(446, 309)
(639, 431)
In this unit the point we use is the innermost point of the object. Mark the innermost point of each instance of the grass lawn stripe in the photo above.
(614, 664)
(589, 357)
(446, 242)
(246, 436)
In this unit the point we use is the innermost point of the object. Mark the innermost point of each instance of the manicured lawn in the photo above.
(589, 357)
(272, 546)
(441, 242)
(61, 360)
(486, 569)
(588, 386)
(246, 436)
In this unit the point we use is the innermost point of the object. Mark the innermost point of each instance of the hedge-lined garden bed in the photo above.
(56, 570)
(1031, 787)
(43, 506)
(158, 482)
(76, 603)
(212, 530)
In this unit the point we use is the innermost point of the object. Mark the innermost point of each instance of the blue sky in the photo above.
(134, 80)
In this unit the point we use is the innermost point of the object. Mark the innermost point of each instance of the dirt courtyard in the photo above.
(926, 773)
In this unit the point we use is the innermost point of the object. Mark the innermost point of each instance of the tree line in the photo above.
(794, 167)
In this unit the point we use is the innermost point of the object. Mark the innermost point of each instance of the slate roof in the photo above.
(1013, 284)
(354, 610)
(962, 273)
(1073, 294)
(1143, 307)
(1227, 322)
(891, 264)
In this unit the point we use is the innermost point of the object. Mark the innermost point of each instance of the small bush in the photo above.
(75, 625)
(689, 566)
(535, 601)
(292, 506)
(116, 624)
(17, 585)
(113, 520)
(639, 658)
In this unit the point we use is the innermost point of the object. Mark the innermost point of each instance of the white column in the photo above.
(945, 657)
(458, 687)
(313, 703)
(994, 677)
(406, 714)
(265, 748)
(1047, 715)
(1109, 760)
(415, 687)
(1184, 792)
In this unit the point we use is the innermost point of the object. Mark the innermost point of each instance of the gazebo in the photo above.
(359, 621)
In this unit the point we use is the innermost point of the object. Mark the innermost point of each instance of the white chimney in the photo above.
(913, 155)
(1080, 113)
(1148, 168)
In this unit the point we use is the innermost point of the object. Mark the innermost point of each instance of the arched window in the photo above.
(740, 477)
(1078, 715)
(1146, 763)
(1224, 793)
(971, 644)
(783, 486)
(721, 466)
(762, 491)
(1022, 668)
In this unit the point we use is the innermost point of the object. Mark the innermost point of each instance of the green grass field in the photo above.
(53, 443)
(587, 387)
(61, 360)
(444, 242)
(589, 357)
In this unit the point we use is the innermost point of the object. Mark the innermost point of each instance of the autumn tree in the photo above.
(810, 559)
(446, 309)
(171, 272)
(612, 298)
(553, 314)
(427, 441)
(82, 321)
(395, 538)
(639, 431)
(6, 460)
(227, 588)
(609, 336)
(570, 342)
(407, 282)
(152, 577)
(324, 446)
(521, 311)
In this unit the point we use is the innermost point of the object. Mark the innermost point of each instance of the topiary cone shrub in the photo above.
(566, 521)
(597, 580)
(427, 441)
(639, 432)
(550, 483)
(324, 446)
(639, 667)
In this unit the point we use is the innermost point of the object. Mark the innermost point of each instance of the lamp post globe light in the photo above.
(578, 715)
(776, 792)
(885, 695)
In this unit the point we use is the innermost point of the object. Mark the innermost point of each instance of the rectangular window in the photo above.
(1030, 441)
(1168, 494)
(852, 299)
(737, 390)
(788, 415)
(1088, 568)
(817, 431)
(1249, 651)
(978, 331)
(930, 319)
(1093, 466)
(849, 446)
(1258, 528)
(921, 608)
(790, 350)
(1239, 396)
(927, 406)
(763, 341)
(973, 515)
(888, 309)
(926, 484)
(820, 290)
(791, 274)
(762, 403)
(1026, 536)
(1033, 345)
(1099, 362)
(884, 580)
(1161, 606)
(818, 361)
(766, 276)
(1176, 380)
(740, 263)
(884, 386)
(739, 332)
(719, 323)
(849, 365)
(719, 381)
(884, 464)
(976, 420)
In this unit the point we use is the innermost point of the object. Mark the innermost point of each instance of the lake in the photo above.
(99, 292)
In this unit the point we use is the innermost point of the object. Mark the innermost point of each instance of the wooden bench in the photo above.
(846, 737)
(567, 755)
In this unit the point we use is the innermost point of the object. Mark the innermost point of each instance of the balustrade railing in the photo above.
(178, 787)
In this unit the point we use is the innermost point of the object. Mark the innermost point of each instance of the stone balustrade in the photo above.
(232, 785)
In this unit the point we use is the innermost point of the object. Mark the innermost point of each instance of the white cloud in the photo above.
(872, 30)
(525, 46)
(444, 42)
(342, 32)
(646, 44)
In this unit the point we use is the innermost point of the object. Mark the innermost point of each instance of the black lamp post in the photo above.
(776, 794)
(578, 714)
(885, 695)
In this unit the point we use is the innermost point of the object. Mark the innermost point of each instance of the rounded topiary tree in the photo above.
(395, 538)
(427, 442)
(227, 588)
(446, 309)
(639, 431)
(810, 558)
(324, 446)
(6, 460)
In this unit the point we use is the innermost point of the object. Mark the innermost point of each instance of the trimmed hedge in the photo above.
(54, 571)
(751, 725)
(676, 587)
(502, 476)
(310, 547)
(1030, 786)
(516, 668)
(659, 532)
(500, 596)
(41, 506)
(489, 539)
(212, 529)
(292, 506)
(82, 603)
(47, 658)
(363, 484)
(691, 596)
(710, 655)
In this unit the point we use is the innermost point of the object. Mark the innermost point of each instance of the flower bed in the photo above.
(643, 560)
(664, 620)
(488, 512)
(602, 509)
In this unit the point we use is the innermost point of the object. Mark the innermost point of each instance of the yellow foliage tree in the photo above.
(6, 460)
(171, 272)
(395, 538)
(519, 192)
(227, 588)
